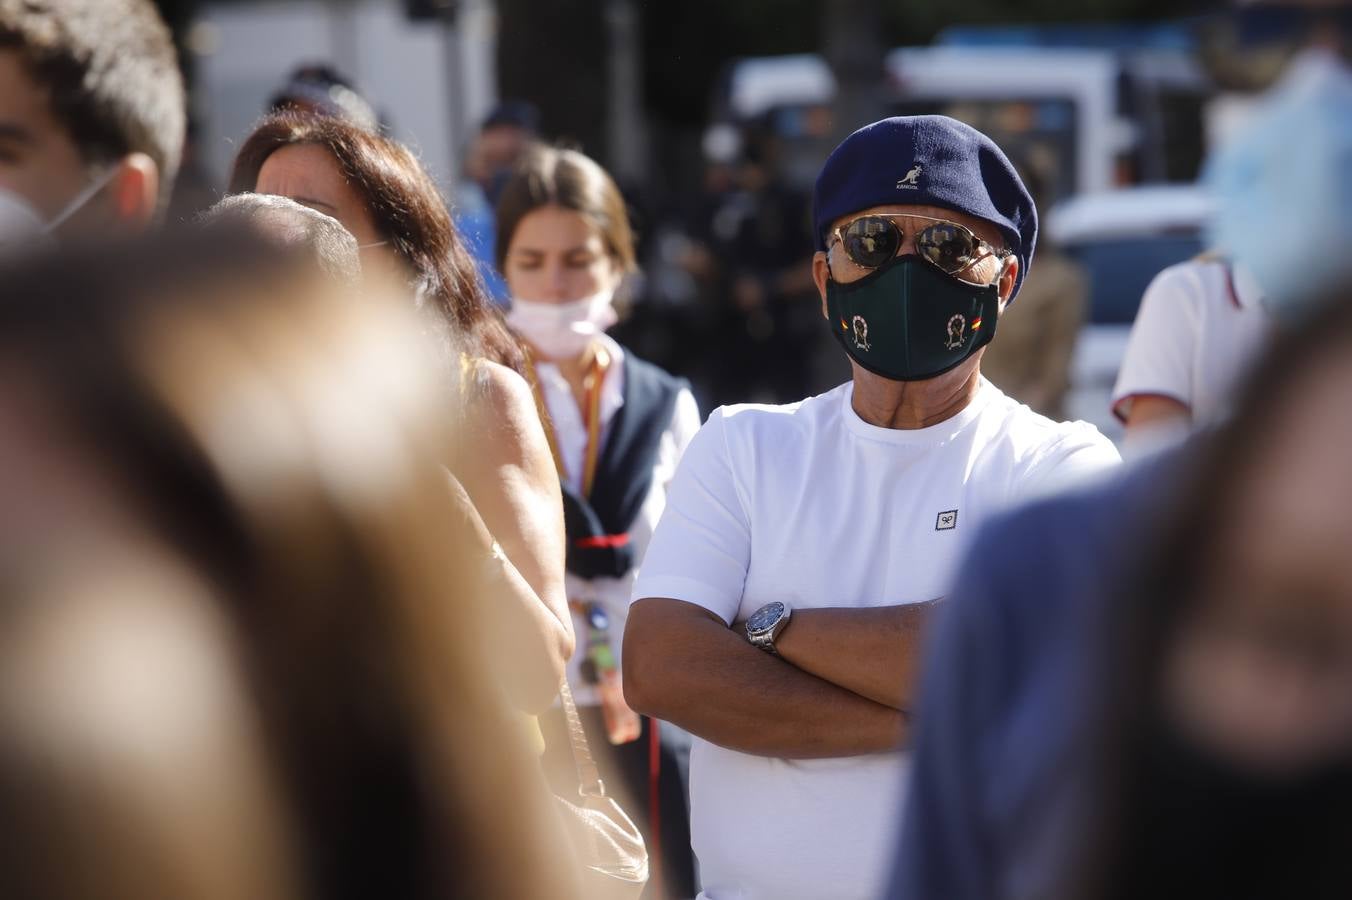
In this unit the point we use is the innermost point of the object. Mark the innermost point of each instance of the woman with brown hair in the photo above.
(376, 188)
(617, 427)
(244, 633)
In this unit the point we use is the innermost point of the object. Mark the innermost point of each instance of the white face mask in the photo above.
(21, 225)
(563, 330)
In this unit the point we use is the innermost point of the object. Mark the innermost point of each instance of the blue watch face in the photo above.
(765, 617)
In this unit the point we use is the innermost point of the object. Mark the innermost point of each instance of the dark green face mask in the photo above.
(908, 321)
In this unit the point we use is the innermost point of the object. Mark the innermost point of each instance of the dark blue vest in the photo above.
(598, 526)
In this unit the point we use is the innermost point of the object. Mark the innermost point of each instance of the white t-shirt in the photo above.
(1199, 328)
(809, 504)
(570, 435)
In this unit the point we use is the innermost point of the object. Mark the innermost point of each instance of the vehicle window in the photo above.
(1120, 269)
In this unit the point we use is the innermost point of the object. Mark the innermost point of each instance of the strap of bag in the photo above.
(588, 776)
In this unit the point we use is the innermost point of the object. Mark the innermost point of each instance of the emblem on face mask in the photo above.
(956, 326)
(860, 333)
(911, 181)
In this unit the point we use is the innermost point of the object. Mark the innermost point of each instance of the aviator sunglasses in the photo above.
(872, 240)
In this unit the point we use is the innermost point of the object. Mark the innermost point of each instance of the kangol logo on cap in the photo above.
(911, 181)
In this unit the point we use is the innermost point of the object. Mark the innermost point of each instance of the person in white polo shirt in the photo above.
(1200, 327)
(780, 610)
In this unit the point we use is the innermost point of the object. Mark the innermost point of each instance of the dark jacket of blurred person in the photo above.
(376, 188)
(92, 118)
(767, 326)
(1140, 690)
(249, 638)
(618, 426)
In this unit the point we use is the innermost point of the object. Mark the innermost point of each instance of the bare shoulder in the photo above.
(500, 390)
(502, 414)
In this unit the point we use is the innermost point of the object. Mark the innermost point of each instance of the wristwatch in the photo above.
(766, 624)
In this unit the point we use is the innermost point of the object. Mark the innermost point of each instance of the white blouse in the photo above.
(570, 437)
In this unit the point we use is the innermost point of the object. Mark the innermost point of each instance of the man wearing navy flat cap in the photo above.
(779, 611)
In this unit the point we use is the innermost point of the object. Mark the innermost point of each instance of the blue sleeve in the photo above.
(945, 851)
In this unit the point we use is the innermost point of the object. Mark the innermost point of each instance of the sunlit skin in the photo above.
(915, 404)
(40, 161)
(1150, 412)
(309, 174)
(557, 255)
(1260, 669)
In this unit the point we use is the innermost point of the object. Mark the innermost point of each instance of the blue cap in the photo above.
(927, 161)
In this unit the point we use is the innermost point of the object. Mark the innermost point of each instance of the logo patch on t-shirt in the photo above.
(947, 520)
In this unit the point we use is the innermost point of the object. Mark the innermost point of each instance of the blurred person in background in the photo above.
(507, 133)
(375, 187)
(289, 225)
(684, 276)
(1031, 361)
(782, 603)
(1202, 323)
(319, 89)
(1199, 328)
(766, 327)
(247, 642)
(92, 118)
(617, 426)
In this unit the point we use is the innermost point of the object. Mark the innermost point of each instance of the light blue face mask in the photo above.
(1283, 186)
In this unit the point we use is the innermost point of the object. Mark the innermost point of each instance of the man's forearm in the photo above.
(682, 664)
(873, 652)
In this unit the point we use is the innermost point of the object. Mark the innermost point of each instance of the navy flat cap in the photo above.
(927, 161)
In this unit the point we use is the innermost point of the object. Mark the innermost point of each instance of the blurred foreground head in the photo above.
(237, 656)
(92, 117)
(1228, 761)
(288, 225)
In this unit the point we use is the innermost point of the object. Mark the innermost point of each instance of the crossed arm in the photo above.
(842, 685)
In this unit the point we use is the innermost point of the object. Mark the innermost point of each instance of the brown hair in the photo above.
(551, 176)
(111, 74)
(339, 564)
(408, 211)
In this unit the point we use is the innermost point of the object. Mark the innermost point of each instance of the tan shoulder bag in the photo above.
(604, 838)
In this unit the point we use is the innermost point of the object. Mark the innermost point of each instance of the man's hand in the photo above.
(683, 664)
(873, 652)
